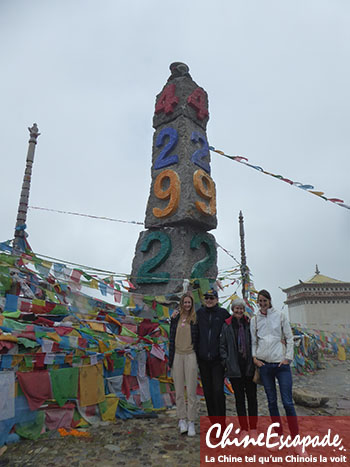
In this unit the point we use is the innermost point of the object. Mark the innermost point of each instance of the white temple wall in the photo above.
(333, 317)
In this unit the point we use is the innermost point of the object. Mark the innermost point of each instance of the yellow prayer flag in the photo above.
(127, 367)
(165, 312)
(16, 360)
(131, 302)
(341, 353)
(160, 298)
(97, 326)
(317, 193)
(103, 347)
(93, 284)
(111, 404)
(54, 336)
(91, 385)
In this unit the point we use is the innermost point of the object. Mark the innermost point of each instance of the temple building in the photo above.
(320, 303)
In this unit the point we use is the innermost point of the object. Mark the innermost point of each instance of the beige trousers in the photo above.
(185, 374)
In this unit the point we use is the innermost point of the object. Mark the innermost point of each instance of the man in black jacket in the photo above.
(210, 319)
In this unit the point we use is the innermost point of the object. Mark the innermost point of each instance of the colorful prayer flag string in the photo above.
(309, 188)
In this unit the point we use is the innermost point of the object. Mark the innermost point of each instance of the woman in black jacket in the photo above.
(236, 355)
(183, 341)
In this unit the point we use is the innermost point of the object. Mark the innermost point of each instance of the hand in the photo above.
(175, 313)
(284, 362)
(258, 363)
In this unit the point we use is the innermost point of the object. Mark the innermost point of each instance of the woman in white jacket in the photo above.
(272, 351)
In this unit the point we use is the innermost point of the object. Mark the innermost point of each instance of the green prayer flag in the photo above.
(64, 382)
(31, 430)
(60, 310)
(159, 310)
(27, 342)
(126, 332)
(12, 314)
(196, 298)
(166, 327)
(204, 285)
(12, 324)
(147, 406)
(39, 334)
(29, 361)
(119, 362)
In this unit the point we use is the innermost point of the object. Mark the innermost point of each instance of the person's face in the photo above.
(210, 301)
(264, 303)
(238, 311)
(187, 304)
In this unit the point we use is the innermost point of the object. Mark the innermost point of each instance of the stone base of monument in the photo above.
(164, 258)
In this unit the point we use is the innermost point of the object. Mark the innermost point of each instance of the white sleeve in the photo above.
(253, 335)
(288, 335)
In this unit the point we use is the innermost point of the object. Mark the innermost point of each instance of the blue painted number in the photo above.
(164, 159)
(199, 155)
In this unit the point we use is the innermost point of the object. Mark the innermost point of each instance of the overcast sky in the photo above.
(277, 74)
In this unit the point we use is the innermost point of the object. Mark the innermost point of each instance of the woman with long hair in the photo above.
(183, 340)
(272, 350)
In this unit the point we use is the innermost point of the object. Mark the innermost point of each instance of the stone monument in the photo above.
(181, 207)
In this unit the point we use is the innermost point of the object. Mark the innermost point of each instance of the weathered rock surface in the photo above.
(309, 398)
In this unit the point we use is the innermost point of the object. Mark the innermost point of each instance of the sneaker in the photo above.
(191, 429)
(183, 426)
(299, 451)
(275, 448)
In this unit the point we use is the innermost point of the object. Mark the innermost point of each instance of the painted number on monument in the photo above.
(164, 158)
(199, 269)
(167, 100)
(145, 274)
(205, 188)
(167, 186)
(199, 155)
(197, 100)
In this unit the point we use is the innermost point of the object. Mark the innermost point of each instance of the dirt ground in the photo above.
(156, 441)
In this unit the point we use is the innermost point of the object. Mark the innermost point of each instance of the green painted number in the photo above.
(145, 274)
(199, 269)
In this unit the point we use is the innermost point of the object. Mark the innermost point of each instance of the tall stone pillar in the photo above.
(181, 206)
(18, 243)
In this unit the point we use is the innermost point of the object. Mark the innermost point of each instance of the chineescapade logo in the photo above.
(318, 441)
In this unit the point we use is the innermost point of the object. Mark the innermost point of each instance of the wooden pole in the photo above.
(23, 202)
(243, 256)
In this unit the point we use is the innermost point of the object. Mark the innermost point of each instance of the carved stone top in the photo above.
(181, 96)
(34, 133)
(179, 69)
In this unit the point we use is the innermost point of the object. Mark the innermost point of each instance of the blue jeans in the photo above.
(269, 372)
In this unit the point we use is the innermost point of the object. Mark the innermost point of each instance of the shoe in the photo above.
(299, 451)
(183, 426)
(253, 434)
(275, 448)
(242, 435)
(191, 429)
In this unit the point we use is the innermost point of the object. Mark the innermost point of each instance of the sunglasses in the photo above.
(209, 297)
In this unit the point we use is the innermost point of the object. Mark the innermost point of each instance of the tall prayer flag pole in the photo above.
(243, 256)
(18, 243)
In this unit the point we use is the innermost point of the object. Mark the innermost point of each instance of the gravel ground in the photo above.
(156, 442)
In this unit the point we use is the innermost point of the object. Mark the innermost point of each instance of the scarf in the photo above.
(241, 340)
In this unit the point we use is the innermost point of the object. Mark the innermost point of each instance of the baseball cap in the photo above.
(211, 293)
